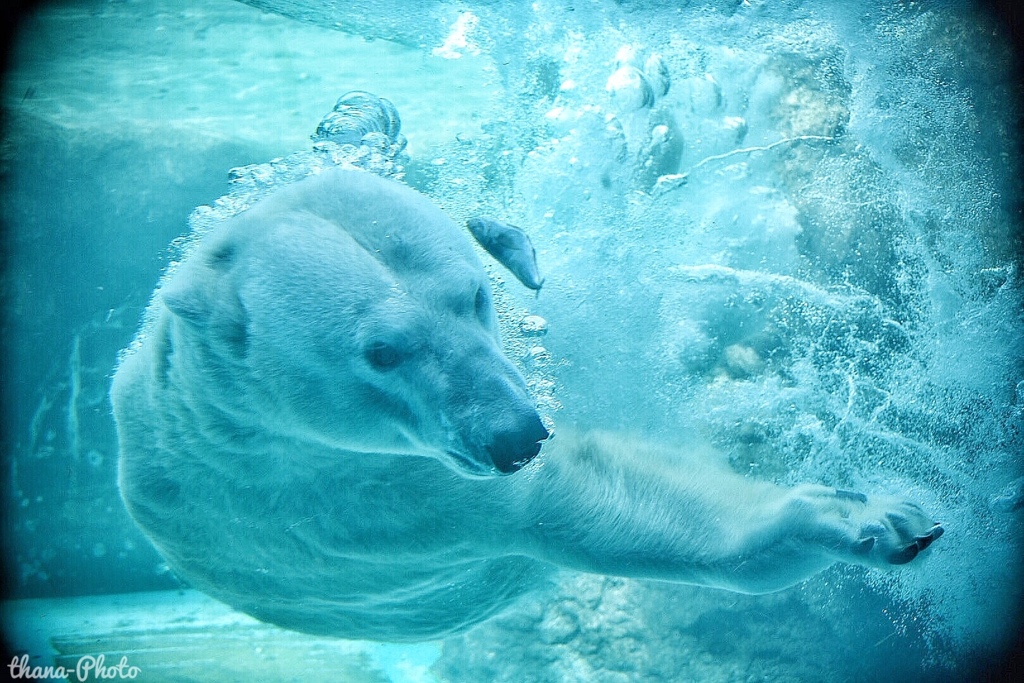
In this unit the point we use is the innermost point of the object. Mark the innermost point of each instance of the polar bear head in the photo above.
(348, 312)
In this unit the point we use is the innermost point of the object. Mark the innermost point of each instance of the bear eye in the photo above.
(383, 356)
(483, 305)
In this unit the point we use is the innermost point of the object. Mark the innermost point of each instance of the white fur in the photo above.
(278, 470)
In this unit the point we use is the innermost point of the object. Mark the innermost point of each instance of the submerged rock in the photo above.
(633, 88)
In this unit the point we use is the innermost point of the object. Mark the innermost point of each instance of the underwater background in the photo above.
(787, 229)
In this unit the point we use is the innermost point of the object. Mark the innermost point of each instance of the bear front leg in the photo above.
(614, 505)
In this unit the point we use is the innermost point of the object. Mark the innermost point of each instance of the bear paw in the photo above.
(878, 531)
(894, 531)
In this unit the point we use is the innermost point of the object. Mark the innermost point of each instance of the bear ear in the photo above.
(186, 298)
(187, 291)
(197, 297)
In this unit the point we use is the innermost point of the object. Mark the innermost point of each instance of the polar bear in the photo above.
(318, 427)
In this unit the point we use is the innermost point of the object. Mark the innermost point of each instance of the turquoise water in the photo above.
(806, 252)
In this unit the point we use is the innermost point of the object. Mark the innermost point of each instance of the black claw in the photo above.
(905, 555)
(864, 546)
(851, 495)
(926, 540)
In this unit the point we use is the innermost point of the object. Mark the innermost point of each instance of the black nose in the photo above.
(512, 448)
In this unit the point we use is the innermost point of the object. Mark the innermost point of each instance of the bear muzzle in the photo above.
(512, 447)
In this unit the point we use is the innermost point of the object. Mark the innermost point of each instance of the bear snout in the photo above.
(513, 447)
